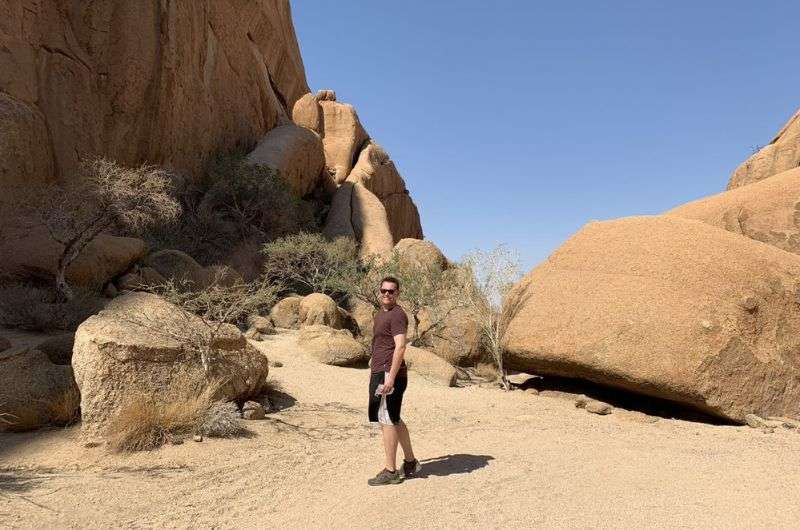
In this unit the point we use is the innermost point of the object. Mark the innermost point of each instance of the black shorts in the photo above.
(386, 409)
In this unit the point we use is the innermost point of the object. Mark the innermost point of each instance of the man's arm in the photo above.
(397, 360)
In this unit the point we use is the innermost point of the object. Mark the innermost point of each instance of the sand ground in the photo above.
(491, 460)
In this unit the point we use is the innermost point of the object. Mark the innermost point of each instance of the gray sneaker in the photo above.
(385, 477)
(410, 469)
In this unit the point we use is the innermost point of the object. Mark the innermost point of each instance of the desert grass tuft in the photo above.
(66, 409)
(22, 420)
(144, 424)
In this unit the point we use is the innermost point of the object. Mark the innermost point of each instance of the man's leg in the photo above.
(405, 441)
(390, 445)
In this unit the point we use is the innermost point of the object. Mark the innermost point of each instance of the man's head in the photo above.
(389, 290)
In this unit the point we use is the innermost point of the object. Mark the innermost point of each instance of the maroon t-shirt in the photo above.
(387, 324)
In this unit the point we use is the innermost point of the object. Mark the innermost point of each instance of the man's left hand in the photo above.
(388, 385)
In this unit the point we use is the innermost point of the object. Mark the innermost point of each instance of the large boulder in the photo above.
(307, 113)
(336, 347)
(296, 152)
(167, 84)
(430, 366)
(286, 313)
(31, 252)
(34, 391)
(370, 223)
(363, 313)
(58, 348)
(342, 136)
(319, 309)
(139, 279)
(376, 171)
(339, 221)
(403, 216)
(456, 337)
(357, 212)
(337, 123)
(767, 210)
(143, 345)
(667, 307)
(177, 266)
(418, 253)
(781, 154)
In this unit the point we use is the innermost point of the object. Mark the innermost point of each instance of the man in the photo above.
(388, 381)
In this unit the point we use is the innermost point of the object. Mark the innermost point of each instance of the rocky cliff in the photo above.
(161, 81)
(781, 154)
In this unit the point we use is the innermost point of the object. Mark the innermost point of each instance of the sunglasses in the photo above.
(387, 291)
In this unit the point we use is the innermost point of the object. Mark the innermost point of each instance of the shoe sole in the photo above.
(391, 482)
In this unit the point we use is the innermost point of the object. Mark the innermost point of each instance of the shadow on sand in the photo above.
(458, 464)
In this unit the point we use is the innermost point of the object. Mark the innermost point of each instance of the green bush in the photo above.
(308, 263)
(233, 207)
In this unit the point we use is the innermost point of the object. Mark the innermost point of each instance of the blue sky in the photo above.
(517, 122)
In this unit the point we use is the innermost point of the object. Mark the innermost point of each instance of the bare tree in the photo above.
(493, 273)
(105, 197)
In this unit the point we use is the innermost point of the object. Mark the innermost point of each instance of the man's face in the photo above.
(388, 293)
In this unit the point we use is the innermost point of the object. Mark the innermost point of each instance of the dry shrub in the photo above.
(34, 308)
(61, 412)
(247, 260)
(232, 204)
(66, 409)
(104, 197)
(143, 424)
(23, 420)
(221, 420)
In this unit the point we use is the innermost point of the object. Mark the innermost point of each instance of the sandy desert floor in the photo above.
(491, 460)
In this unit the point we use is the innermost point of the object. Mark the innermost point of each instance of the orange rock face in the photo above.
(668, 307)
(165, 83)
(781, 154)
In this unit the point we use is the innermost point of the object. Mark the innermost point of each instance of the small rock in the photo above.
(254, 334)
(261, 324)
(176, 440)
(532, 391)
(253, 410)
(707, 325)
(767, 430)
(277, 364)
(756, 422)
(598, 407)
(749, 304)
(581, 402)
(197, 437)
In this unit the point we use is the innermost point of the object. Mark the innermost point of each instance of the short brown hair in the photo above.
(391, 279)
